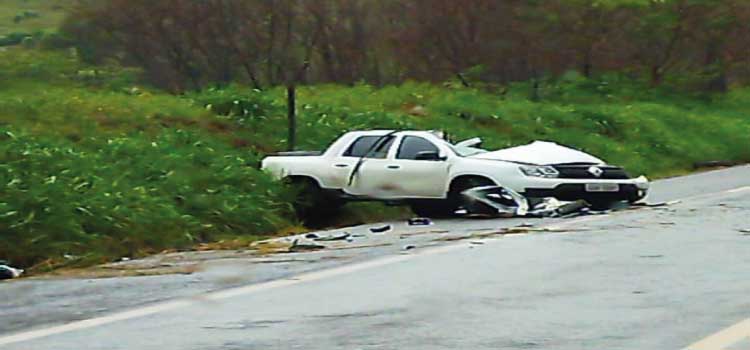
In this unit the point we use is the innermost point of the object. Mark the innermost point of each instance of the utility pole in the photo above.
(291, 116)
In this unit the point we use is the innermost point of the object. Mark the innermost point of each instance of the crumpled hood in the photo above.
(540, 153)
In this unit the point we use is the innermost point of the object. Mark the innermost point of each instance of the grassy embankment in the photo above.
(95, 167)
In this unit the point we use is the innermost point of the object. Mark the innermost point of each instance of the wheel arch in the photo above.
(468, 177)
(299, 178)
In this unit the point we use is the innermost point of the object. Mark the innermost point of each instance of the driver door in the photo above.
(412, 176)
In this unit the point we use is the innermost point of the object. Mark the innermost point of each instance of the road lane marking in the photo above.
(220, 295)
(294, 280)
(739, 189)
(724, 338)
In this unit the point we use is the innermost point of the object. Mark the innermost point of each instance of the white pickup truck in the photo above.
(429, 173)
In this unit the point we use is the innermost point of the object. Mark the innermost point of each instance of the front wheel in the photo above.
(460, 185)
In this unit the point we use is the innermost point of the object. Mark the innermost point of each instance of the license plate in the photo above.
(602, 187)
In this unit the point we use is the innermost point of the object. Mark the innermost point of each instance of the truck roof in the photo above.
(385, 132)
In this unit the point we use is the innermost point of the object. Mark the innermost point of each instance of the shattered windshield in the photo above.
(465, 151)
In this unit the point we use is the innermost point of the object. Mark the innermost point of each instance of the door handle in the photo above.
(394, 167)
(341, 165)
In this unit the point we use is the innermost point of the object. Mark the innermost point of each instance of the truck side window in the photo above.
(411, 145)
(364, 144)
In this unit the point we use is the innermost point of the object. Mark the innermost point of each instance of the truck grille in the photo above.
(578, 171)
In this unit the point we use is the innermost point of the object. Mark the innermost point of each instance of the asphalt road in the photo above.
(657, 278)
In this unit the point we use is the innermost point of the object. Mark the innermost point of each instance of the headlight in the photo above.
(539, 171)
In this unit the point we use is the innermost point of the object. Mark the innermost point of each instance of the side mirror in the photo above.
(429, 155)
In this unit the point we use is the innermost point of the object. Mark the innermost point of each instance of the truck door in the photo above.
(343, 165)
(412, 170)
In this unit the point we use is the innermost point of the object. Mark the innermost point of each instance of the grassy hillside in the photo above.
(96, 167)
(28, 16)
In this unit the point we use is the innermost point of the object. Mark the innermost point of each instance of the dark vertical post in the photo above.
(291, 115)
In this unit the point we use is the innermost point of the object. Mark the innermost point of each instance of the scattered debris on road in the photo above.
(380, 229)
(304, 247)
(521, 229)
(657, 204)
(495, 200)
(419, 222)
(334, 237)
(656, 256)
(7, 272)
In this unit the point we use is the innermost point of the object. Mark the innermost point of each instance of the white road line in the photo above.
(312, 276)
(739, 189)
(229, 293)
(724, 338)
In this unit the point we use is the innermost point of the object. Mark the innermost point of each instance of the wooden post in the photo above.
(291, 116)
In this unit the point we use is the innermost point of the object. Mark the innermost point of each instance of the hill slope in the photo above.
(97, 167)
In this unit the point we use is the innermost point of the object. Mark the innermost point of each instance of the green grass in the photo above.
(50, 13)
(95, 166)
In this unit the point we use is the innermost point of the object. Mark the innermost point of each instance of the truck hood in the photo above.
(540, 153)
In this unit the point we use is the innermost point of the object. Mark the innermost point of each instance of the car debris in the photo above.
(7, 272)
(654, 256)
(419, 222)
(335, 237)
(380, 229)
(657, 204)
(572, 208)
(496, 200)
(297, 247)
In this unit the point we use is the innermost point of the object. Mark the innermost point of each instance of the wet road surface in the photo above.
(660, 278)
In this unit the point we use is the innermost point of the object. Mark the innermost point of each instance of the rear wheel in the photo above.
(313, 205)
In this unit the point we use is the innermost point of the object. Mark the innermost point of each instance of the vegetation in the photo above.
(115, 142)
(30, 17)
(186, 45)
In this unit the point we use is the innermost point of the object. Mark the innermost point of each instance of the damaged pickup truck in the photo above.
(432, 175)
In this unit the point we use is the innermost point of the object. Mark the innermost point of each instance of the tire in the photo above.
(313, 205)
(463, 184)
(443, 208)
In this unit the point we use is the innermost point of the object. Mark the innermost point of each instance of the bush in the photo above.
(14, 38)
(131, 195)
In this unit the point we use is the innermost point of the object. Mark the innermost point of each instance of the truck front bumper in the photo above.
(630, 190)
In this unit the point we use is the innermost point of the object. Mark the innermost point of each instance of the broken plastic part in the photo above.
(572, 207)
(304, 247)
(380, 229)
(419, 222)
(495, 199)
(337, 237)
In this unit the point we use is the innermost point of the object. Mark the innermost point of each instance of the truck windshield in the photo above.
(463, 151)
